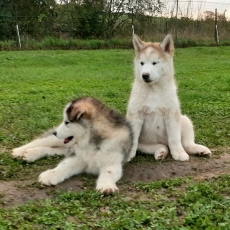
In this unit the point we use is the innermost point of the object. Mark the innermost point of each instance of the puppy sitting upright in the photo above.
(154, 109)
(97, 139)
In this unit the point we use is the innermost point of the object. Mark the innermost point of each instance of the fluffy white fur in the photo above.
(154, 108)
(83, 155)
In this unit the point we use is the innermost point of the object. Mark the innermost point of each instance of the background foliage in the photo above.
(100, 19)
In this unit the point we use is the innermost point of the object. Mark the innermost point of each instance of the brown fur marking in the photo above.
(106, 122)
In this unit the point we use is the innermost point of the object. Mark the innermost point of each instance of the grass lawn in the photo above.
(34, 88)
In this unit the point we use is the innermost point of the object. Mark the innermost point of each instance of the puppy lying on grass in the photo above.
(94, 138)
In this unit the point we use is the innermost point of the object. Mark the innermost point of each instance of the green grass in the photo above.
(204, 89)
(45, 81)
(53, 43)
(56, 43)
(34, 88)
(182, 204)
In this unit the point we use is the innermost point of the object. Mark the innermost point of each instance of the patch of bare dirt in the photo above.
(17, 192)
(198, 167)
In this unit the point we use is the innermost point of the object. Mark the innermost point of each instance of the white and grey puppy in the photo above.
(154, 108)
(95, 138)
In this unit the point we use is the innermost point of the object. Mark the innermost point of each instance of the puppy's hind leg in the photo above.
(108, 177)
(49, 141)
(34, 154)
(160, 151)
(187, 139)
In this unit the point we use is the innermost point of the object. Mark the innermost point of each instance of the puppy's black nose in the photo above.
(145, 76)
(55, 133)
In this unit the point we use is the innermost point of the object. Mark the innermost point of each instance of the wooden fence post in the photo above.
(176, 37)
(216, 30)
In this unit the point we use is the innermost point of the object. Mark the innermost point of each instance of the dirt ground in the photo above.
(17, 192)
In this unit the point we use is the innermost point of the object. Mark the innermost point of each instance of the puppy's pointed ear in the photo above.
(80, 114)
(168, 45)
(137, 43)
(74, 113)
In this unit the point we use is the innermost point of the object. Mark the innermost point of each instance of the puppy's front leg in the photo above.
(108, 177)
(173, 129)
(68, 167)
(136, 126)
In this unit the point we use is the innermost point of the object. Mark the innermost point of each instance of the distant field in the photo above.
(34, 88)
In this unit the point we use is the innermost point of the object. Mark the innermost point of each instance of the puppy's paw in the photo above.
(50, 177)
(203, 151)
(107, 188)
(32, 155)
(180, 155)
(129, 159)
(131, 155)
(18, 152)
(161, 153)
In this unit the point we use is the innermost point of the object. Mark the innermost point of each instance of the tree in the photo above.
(209, 15)
(90, 20)
(6, 8)
(101, 18)
(34, 17)
(118, 12)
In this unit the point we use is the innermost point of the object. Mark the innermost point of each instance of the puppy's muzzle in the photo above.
(146, 77)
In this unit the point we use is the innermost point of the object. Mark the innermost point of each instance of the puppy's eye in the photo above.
(142, 63)
(154, 63)
(67, 122)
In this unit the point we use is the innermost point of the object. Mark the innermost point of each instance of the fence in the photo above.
(66, 21)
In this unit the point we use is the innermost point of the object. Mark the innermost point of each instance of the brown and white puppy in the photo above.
(95, 139)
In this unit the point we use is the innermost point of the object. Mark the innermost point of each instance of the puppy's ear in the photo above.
(74, 113)
(137, 43)
(167, 45)
(79, 114)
